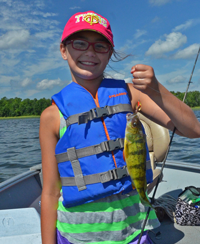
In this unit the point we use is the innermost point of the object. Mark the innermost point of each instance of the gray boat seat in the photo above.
(158, 142)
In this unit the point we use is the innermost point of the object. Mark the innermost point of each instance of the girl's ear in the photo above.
(63, 51)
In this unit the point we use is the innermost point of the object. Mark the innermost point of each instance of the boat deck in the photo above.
(176, 178)
(171, 233)
(23, 191)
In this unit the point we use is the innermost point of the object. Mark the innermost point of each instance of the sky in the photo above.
(164, 34)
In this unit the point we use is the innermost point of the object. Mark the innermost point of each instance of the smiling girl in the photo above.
(81, 138)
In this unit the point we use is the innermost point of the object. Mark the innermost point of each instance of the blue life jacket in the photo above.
(96, 126)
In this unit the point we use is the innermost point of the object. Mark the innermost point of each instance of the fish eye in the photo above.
(135, 124)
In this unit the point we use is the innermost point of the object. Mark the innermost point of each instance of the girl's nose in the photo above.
(90, 51)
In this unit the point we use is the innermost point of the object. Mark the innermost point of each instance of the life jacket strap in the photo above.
(114, 174)
(78, 175)
(103, 177)
(96, 113)
(105, 146)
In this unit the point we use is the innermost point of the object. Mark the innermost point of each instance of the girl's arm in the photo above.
(49, 129)
(160, 105)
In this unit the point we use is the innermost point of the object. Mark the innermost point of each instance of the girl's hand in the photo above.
(144, 79)
(160, 105)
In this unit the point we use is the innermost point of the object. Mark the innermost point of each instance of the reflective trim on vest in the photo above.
(111, 92)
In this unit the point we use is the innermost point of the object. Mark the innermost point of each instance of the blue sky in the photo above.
(164, 34)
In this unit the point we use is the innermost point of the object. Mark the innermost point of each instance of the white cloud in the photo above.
(31, 92)
(8, 2)
(45, 15)
(50, 62)
(5, 79)
(139, 33)
(177, 79)
(158, 2)
(172, 41)
(188, 52)
(186, 25)
(128, 80)
(14, 39)
(26, 82)
(48, 84)
(3, 91)
(75, 7)
(49, 34)
(156, 19)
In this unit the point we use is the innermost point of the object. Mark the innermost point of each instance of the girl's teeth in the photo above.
(87, 63)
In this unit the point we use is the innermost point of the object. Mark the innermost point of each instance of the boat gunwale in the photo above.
(17, 179)
(179, 165)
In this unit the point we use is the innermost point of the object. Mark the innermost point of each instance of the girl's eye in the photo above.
(101, 46)
(80, 44)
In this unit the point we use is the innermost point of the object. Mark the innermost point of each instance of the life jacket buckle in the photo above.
(94, 113)
(112, 145)
(101, 112)
(119, 173)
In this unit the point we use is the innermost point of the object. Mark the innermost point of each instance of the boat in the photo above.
(20, 196)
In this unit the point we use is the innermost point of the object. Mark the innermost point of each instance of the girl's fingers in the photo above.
(140, 67)
(139, 75)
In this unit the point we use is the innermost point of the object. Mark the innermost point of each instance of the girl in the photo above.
(85, 127)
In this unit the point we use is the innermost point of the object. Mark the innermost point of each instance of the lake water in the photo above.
(20, 149)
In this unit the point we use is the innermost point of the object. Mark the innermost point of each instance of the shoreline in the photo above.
(38, 116)
(196, 108)
(21, 117)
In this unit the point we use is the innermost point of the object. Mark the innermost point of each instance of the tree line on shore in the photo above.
(192, 98)
(17, 107)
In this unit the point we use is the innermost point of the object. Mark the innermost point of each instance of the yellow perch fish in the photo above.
(135, 155)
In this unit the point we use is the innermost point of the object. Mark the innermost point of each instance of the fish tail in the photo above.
(145, 201)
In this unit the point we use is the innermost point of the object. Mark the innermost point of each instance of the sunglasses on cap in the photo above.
(83, 45)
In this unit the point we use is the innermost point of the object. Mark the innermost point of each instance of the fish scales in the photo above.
(135, 155)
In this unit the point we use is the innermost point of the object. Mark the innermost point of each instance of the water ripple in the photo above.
(19, 146)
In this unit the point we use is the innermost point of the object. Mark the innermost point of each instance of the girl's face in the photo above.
(88, 64)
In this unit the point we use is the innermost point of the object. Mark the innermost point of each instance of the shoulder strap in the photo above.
(95, 113)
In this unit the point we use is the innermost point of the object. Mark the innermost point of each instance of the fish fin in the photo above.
(125, 152)
(146, 202)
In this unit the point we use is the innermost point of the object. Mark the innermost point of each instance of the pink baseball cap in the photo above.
(88, 21)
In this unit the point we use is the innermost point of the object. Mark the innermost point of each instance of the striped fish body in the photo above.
(135, 155)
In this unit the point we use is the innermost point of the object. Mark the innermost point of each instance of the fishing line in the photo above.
(165, 158)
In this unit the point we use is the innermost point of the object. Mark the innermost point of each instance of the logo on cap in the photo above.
(91, 19)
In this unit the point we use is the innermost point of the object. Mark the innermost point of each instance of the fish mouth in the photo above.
(132, 120)
(130, 117)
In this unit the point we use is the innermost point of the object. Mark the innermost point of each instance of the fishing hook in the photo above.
(165, 158)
